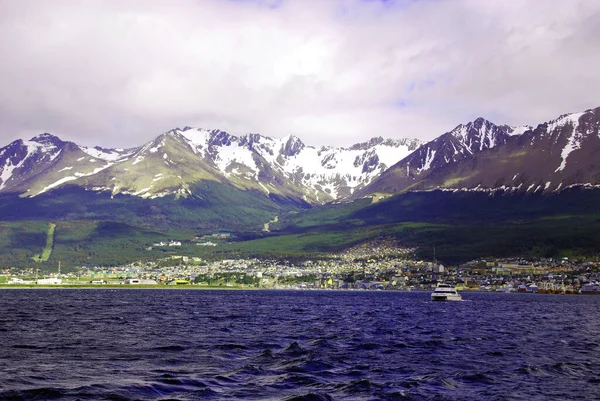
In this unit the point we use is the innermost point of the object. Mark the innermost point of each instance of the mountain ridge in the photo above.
(478, 155)
(285, 166)
(556, 154)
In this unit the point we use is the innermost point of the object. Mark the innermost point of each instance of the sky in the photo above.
(332, 72)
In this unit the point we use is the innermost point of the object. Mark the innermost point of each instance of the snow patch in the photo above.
(57, 183)
(108, 155)
(265, 188)
(54, 156)
(7, 171)
(238, 154)
(142, 191)
(516, 131)
(428, 159)
(574, 141)
(71, 178)
(196, 138)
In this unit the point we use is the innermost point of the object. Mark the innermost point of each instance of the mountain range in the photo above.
(479, 155)
(174, 161)
(439, 193)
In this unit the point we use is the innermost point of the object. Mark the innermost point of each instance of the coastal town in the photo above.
(379, 265)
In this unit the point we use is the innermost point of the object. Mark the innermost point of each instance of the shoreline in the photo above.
(120, 287)
(221, 288)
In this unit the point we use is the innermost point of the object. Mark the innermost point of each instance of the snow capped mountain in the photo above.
(45, 162)
(174, 161)
(20, 158)
(479, 155)
(555, 155)
(462, 141)
(320, 174)
(457, 144)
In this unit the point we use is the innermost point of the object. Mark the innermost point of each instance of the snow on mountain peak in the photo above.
(480, 134)
(563, 120)
(333, 170)
(516, 131)
(322, 173)
(46, 139)
(105, 154)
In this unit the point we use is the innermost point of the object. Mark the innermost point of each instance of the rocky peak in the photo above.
(292, 146)
(14, 151)
(250, 140)
(369, 144)
(480, 122)
(47, 139)
(221, 138)
(101, 149)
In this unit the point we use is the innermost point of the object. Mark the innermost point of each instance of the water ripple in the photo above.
(257, 345)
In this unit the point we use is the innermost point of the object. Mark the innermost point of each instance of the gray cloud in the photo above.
(331, 72)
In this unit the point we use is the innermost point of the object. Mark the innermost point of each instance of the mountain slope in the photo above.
(461, 225)
(555, 155)
(45, 162)
(458, 144)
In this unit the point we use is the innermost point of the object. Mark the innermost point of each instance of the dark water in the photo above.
(305, 345)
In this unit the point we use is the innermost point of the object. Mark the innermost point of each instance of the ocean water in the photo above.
(106, 344)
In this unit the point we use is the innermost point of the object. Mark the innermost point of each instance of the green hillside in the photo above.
(99, 229)
(21, 241)
(461, 226)
(213, 206)
(75, 243)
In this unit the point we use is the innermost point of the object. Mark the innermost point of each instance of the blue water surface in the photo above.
(137, 344)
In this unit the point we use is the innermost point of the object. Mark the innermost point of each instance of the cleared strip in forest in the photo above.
(47, 251)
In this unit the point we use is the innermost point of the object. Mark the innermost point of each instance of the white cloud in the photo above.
(331, 72)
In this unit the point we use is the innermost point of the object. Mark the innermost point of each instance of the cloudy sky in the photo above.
(119, 73)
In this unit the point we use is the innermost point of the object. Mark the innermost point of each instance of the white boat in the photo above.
(445, 292)
(591, 289)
